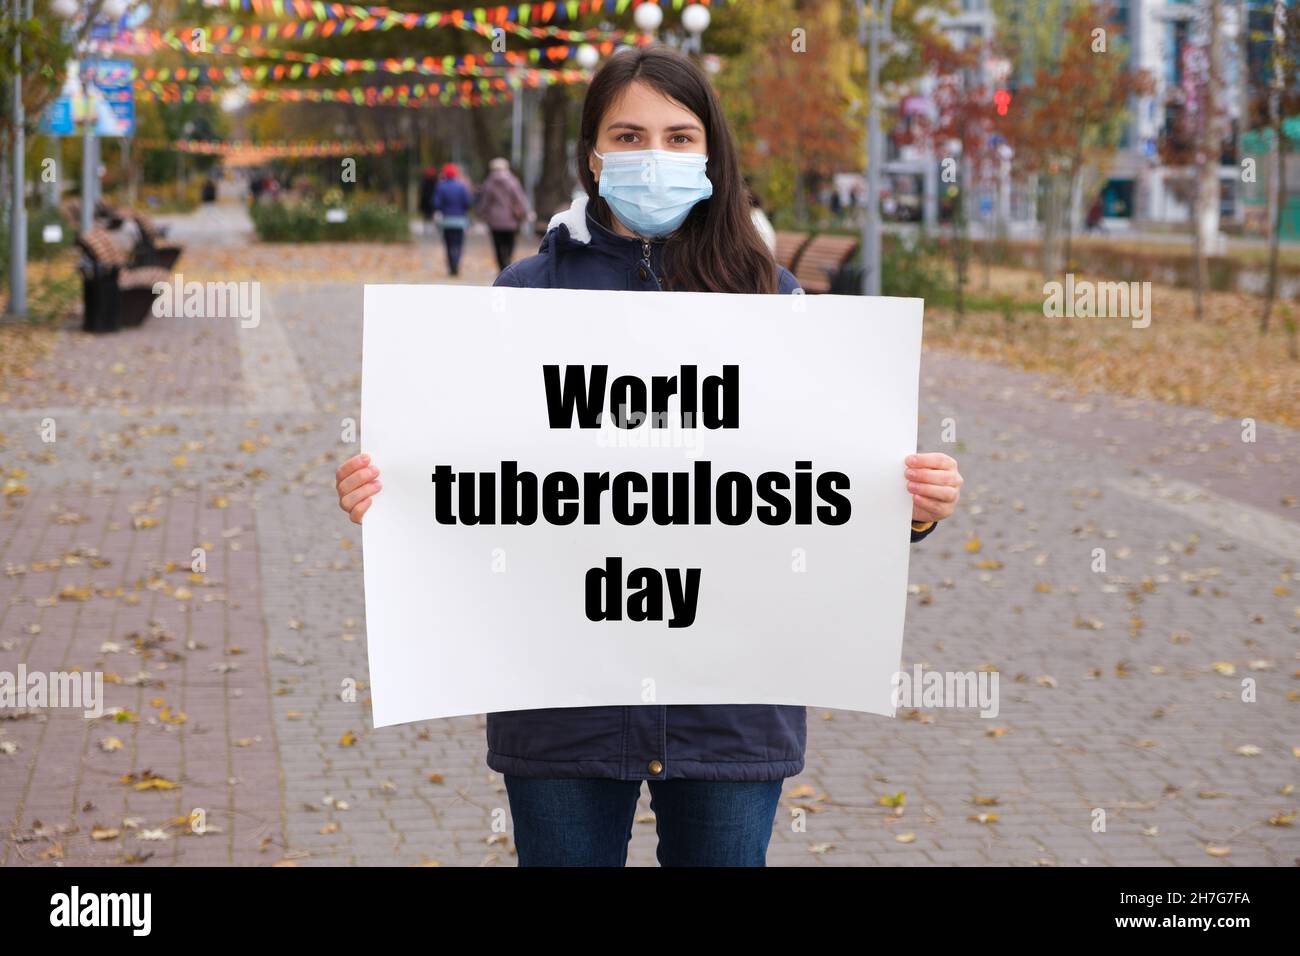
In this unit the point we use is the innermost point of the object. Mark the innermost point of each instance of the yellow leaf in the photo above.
(973, 544)
(348, 739)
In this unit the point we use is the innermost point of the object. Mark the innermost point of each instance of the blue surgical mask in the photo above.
(652, 191)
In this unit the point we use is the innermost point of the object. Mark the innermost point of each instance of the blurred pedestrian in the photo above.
(428, 184)
(451, 200)
(503, 205)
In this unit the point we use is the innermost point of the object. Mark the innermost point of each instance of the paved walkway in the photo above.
(1121, 690)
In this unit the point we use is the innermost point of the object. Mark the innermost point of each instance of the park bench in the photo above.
(154, 248)
(788, 247)
(115, 294)
(821, 262)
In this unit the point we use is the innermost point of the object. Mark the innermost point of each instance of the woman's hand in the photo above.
(934, 482)
(358, 482)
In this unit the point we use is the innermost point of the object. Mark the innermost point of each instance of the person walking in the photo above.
(503, 205)
(452, 200)
(573, 774)
(428, 183)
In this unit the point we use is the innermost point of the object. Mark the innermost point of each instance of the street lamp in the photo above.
(695, 20)
(648, 17)
(871, 35)
(588, 56)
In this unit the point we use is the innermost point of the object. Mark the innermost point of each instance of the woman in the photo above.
(452, 200)
(664, 208)
(504, 207)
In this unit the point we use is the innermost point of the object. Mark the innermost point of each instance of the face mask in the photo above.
(652, 191)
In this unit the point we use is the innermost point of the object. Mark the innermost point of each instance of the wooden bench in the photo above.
(115, 295)
(788, 247)
(105, 215)
(154, 248)
(821, 260)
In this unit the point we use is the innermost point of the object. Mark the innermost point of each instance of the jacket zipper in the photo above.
(645, 259)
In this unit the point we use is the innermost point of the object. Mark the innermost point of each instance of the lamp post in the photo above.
(18, 209)
(870, 36)
(112, 10)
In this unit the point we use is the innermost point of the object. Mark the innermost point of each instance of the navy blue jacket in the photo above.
(452, 197)
(649, 742)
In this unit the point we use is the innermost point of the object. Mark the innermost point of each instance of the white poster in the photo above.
(619, 498)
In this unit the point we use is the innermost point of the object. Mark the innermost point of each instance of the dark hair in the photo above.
(717, 248)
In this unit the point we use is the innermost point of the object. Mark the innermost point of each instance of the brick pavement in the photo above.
(1121, 690)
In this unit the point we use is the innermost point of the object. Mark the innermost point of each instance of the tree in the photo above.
(1283, 99)
(1070, 116)
(793, 85)
(958, 128)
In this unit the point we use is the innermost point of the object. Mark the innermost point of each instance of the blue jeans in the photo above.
(454, 240)
(588, 822)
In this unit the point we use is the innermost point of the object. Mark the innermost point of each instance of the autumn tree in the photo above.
(958, 128)
(1069, 110)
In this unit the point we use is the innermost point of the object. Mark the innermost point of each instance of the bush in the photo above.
(304, 221)
(912, 268)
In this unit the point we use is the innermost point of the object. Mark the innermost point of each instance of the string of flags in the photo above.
(280, 150)
(193, 37)
(523, 13)
(456, 93)
(474, 79)
(426, 66)
(465, 64)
